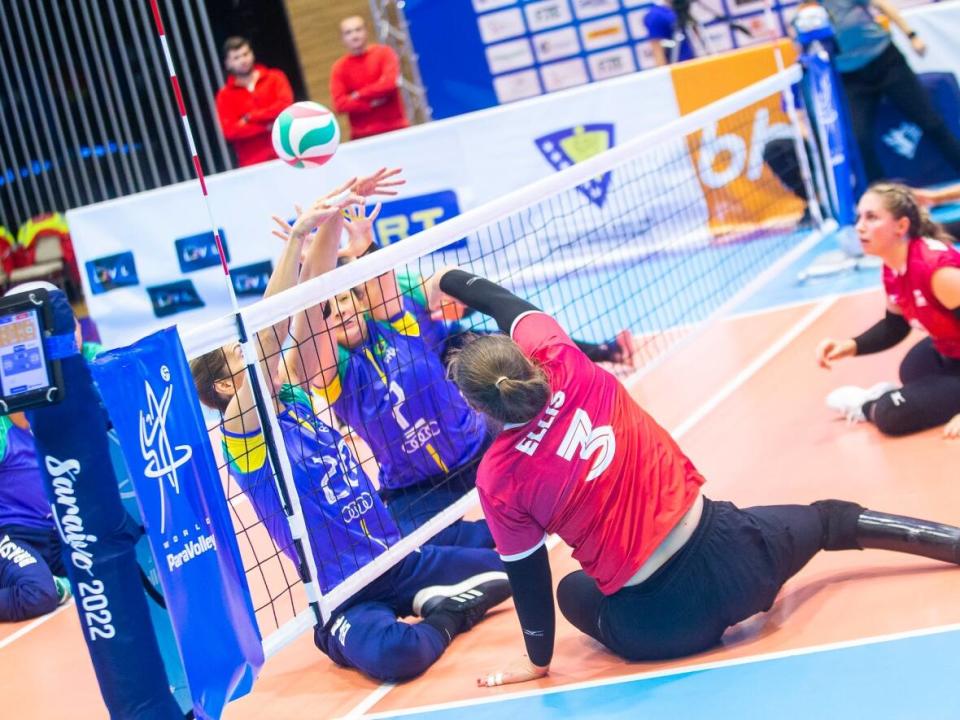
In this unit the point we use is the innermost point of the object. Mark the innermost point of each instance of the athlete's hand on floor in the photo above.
(830, 350)
(952, 428)
(518, 671)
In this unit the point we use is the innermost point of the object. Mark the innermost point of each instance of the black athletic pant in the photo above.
(780, 155)
(930, 395)
(731, 568)
(889, 75)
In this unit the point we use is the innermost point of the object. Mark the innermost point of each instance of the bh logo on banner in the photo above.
(565, 147)
(150, 396)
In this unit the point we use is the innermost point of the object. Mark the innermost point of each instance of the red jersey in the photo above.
(913, 294)
(366, 87)
(592, 467)
(246, 116)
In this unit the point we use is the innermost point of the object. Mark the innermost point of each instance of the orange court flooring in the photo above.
(746, 402)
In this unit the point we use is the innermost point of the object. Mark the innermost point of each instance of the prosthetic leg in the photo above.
(848, 526)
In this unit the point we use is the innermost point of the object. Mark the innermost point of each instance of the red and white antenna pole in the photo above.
(158, 21)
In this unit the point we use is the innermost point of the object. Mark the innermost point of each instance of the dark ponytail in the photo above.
(498, 379)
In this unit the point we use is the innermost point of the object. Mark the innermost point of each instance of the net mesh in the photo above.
(632, 251)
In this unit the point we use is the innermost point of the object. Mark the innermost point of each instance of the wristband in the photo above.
(912, 34)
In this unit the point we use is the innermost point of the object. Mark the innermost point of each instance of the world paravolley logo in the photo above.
(569, 146)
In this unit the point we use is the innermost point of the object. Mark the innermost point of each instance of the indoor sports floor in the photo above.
(856, 634)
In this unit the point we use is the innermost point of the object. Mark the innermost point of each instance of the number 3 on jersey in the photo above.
(583, 437)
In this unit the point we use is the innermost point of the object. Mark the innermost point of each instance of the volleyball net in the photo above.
(633, 250)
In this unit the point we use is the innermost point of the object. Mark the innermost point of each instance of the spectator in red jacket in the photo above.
(365, 82)
(249, 102)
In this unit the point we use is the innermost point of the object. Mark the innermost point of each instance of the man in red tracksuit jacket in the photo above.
(249, 102)
(364, 83)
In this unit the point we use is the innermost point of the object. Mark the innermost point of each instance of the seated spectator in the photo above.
(249, 102)
(365, 83)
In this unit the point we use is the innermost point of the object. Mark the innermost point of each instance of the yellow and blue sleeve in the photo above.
(334, 388)
(245, 453)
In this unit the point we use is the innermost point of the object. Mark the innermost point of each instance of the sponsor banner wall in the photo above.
(507, 50)
(149, 260)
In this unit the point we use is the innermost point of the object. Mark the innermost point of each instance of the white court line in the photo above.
(36, 623)
(750, 370)
(371, 700)
(679, 431)
(682, 670)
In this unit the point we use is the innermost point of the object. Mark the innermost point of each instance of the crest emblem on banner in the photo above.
(569, 146)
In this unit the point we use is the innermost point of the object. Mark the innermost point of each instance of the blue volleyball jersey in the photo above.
(434, 332)
(347, 523)
(22, 497)
(394, 392)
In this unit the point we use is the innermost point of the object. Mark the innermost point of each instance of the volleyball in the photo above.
(306, 134)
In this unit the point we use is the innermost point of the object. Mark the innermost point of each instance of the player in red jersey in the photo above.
(665, 570)
(921, 277)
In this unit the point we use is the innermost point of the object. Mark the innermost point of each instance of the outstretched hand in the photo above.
(359, 228)
(381, 182)
(327, 207)
(518, 671)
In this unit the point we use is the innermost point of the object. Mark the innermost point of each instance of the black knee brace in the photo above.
(839, 524)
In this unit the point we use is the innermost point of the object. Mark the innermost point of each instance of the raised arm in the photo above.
(479, 294)
(240, 416)
(382, 294)
(313, 359)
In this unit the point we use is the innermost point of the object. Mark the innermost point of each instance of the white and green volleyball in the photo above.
(306, 134)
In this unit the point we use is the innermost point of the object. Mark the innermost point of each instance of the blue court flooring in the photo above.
(907, 678)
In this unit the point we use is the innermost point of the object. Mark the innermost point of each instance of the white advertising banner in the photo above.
(148, 260)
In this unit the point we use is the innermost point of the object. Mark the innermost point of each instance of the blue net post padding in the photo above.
(99, 539)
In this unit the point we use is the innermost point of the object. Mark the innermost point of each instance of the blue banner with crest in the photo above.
(149, 394)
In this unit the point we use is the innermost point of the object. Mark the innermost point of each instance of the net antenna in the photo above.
(289, 497)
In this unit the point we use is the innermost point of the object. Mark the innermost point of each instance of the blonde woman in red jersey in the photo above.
(921, 277)
(665, 570)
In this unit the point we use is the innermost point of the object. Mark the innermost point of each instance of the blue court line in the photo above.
(906, 678)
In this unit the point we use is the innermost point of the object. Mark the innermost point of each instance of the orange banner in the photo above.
(741, 191)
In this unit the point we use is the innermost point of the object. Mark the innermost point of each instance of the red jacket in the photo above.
(246, 116)
(365, 87)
